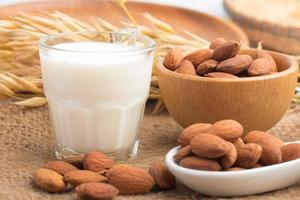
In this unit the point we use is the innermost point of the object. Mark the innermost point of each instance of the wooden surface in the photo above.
(275, 22)
(204, 25)
(258, 103)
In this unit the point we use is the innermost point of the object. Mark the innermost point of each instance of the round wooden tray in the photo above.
(204, 25)
(275, 22)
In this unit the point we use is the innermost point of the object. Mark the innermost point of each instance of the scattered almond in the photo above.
(229, 130)
(130, 180)
(60, 167)
(290, 152)
(192, 131)
(78, 177)
(198, 57)
(209, 146)
(173, 59)
(226, 50)
(49, 180)
(96, 191)
(183, 153)
(97, 161)
(162, 176)
(194, 162)
(76, 161)
(248, 155)
(186, 67)
(271, 146)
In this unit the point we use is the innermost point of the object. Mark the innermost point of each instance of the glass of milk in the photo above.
(97, 84)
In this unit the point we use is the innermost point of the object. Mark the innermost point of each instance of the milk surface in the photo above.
(97, 98)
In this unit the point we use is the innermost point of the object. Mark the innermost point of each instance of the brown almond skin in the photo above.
(248, 155)
(199, 56)
(229, 130)
(260, 67)
(183, 153)
(271, 146)
(207, 67)
(257, 165)
(194, 162)
(226, 50)
(78, 177)
(49, 180)
(239, 143)
(230, 157)
(192, 131)
(264, 54)
(60, 167)
(76, 161)
(186, 67)
(290, 152)
(173, 59)
(209, 146)
(235, 65)
(97, 161)
(130, 180)
(162, 176)
(217, 42)
(220, 75)
(96, 191)
(234, 169)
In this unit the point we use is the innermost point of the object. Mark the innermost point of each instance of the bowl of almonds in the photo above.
(254, 87)
(214, 160)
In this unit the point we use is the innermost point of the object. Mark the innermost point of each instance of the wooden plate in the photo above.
(201, 24)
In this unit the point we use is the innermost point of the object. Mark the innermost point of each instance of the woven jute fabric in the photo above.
(27, 142)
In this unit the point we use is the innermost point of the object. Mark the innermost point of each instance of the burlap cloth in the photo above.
(26, 142)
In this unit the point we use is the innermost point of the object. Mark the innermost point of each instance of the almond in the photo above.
(76, 161)
(60, 167)
(235, 65)
(230, 157)
(194, 162)
(96, 191)
(248, 155)
(186, 67)
(130, 180)
(49, 180)
(234, 169)
(217, 42)
(183, 153)
(229, 130)
(206, 67)
(257, 165)
(220, 75)
(97, 161)
(290, 152)
(199, 56)
(264, 54)
(173, 59)
(271, 146)
(162, 176)
(260, 67)
(238, 143)
(226, 50)
(78, 177)
(192, 131)
(209, 146)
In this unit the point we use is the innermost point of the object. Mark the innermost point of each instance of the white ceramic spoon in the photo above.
(237, 183)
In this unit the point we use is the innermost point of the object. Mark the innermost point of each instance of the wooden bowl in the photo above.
(258, 103)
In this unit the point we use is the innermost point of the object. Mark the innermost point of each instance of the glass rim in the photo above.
(43, 43)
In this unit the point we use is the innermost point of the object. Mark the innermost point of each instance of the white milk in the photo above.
(96, 100)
